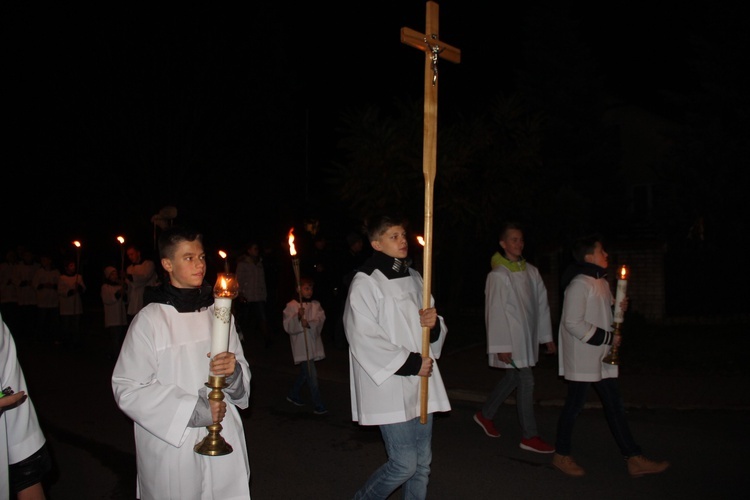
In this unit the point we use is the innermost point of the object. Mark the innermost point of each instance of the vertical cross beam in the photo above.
(434, 49)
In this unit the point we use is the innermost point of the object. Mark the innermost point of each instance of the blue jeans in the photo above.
(309, 374)
(409, 449)
(522, 381)
(609, 394)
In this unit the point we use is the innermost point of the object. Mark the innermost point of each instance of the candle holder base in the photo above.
(214, 444)
(613, 358)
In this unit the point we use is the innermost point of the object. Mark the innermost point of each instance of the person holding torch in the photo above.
(159, 381)
(383, 320)
(303, 320)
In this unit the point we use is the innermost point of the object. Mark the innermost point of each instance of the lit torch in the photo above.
(121, 240)
(295, 261)
(295, 266)
(223, 255)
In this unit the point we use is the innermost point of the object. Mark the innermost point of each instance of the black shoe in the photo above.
(294, 401)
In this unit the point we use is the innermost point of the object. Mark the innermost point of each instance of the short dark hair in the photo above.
(379, 224)
(174, 235)
(508, 225)
(584, 245)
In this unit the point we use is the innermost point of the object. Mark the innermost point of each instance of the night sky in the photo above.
(113, 113)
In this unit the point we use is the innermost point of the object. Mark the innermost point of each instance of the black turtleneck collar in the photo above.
(391, 267)
(585, 268)
(182, 299)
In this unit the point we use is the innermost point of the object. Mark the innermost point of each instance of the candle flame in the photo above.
(292, 249)
(222, 254)
(420, 240)
(223, 283)
(623, 273)
(77, 243)
(121, 240)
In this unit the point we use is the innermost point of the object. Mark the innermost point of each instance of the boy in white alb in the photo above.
(159, 381)
(383, 321)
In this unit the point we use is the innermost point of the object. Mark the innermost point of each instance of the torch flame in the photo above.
(623, 273)
(292, 250)
(121, 240)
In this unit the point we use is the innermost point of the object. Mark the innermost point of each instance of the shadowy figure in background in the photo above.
(115, 316)
(251, 301)
(24, 457)
(274, 304)
(27, 320)
(586, 337)
(140, 273)
(517, 319)
(47, 301)
(70, 290)
(348, 263)
(304, 324)
(9, 289)
(320, 264)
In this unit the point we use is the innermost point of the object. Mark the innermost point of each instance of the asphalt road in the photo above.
(295, 454)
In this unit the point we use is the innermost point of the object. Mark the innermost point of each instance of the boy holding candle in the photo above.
(159, 381)
(585, 339)
(304, 324)
(383, 322)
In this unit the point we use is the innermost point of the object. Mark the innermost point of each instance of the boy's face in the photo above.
(134, 255)
(306, 289)
(598, 256)
(513, 244)
(187, 266)
(392, 242)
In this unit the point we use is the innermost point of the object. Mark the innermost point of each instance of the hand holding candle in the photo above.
(622, 287)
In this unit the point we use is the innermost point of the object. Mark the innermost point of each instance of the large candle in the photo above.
(225, 290)
(622, 288)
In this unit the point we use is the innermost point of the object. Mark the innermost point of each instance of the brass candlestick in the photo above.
(214, 444)
(613, 358)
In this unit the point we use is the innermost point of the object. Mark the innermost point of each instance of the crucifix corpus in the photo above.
(433, 49)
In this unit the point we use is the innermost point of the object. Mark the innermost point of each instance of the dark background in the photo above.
(231, 114)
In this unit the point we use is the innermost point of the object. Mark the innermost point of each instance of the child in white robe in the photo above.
(159, 381)
(384, 320)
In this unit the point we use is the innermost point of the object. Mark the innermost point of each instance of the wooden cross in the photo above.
(434, 49)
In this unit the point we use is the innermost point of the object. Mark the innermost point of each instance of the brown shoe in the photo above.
(639, 466)
(566, 464)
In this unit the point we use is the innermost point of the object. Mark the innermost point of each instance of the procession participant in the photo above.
(384, 320)
(159, 381)
(586, 337)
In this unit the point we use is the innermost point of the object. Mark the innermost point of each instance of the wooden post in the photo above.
(433, 48)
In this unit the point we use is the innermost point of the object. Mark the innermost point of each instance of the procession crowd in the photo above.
(160, 318)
